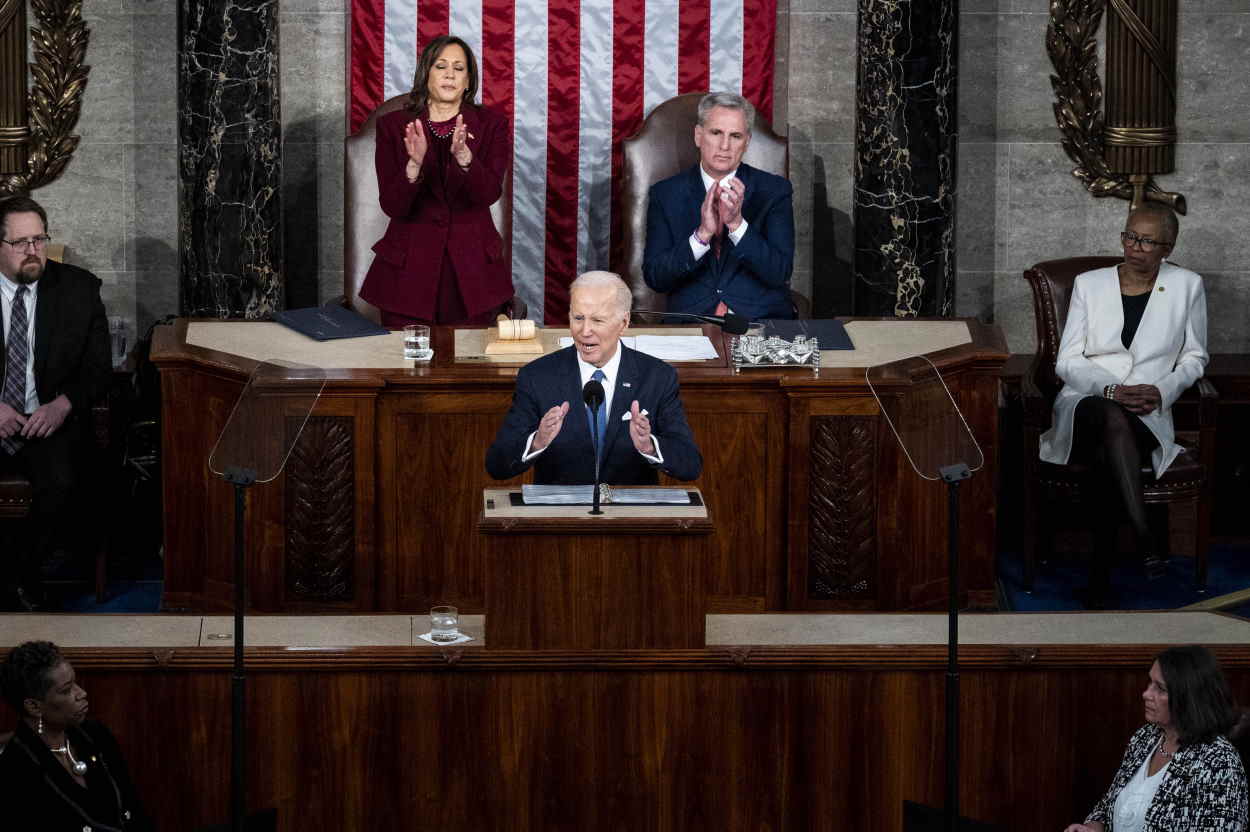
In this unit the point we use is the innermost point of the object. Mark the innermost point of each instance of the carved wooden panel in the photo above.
(320, 511)
(842, 560)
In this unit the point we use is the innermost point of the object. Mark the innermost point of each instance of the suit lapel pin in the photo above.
(626, 384)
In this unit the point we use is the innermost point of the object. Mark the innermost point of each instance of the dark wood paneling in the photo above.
(595, 588)
(777, 739)
(419, 438)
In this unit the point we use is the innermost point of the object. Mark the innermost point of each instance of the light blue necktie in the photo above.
(15, 357)
(598, 421)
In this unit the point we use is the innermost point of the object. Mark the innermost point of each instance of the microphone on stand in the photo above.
(593, 395)
(732, 323)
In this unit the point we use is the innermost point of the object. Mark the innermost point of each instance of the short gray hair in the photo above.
(599, 279)
(730, 101)
(1163, 212)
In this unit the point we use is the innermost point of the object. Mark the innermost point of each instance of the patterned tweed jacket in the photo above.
(1203, 789)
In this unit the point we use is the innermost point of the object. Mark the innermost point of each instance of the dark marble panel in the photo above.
(230, 163)
(906, 159)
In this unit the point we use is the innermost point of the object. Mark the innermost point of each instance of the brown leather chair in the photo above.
(364, 223)
(663, 147)
(1188, 479)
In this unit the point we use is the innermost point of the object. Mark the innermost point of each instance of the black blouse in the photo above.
(1134, 308)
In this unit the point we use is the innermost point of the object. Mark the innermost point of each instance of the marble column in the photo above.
(229, 158)
(905, 144)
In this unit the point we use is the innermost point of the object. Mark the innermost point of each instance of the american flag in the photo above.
(574, 79)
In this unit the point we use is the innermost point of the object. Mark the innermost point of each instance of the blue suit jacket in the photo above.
(553, 379)
(752, 278)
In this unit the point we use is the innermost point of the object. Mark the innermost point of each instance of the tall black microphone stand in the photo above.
(593, 396)
(935, 438)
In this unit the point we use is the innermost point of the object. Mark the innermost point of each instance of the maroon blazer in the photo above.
(444, 214)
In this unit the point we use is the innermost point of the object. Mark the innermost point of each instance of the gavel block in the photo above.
(514, 337)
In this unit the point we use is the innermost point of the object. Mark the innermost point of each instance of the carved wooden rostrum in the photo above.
(35, 139)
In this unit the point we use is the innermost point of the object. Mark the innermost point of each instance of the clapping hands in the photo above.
(416, 145)
(722, 207)
(460, 144)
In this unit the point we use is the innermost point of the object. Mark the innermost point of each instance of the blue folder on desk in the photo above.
(830, 332)
(329, 322)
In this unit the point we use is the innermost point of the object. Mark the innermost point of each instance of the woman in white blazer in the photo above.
(1135, 339)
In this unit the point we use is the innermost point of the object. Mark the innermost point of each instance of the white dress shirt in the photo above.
(8, 291)
(699, 249)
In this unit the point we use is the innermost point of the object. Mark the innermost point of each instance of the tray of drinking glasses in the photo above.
(749, 352)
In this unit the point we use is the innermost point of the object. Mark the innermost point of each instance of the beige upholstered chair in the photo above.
(363, 220)
(1187, 480)
(664, 147)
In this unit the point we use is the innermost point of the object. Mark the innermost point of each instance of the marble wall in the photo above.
(116, 205)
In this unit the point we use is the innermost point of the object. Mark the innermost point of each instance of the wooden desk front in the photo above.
(816, 507)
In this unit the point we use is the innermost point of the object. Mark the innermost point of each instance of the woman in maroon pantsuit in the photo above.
(441, 163)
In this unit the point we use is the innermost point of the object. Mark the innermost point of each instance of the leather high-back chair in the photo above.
(663, 147)
(1188, 479)
(363, 220)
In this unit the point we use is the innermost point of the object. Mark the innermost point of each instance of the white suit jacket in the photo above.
(1169, 351)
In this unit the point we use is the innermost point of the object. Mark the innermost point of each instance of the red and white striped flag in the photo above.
(574, 78)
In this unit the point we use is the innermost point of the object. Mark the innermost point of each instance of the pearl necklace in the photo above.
(1163, 753)
(79, 766)
(451, 128)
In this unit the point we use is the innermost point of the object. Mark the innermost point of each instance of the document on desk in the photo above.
(667, 347)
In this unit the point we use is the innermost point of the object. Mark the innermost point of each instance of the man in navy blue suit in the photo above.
(720, 236)
(643, 424)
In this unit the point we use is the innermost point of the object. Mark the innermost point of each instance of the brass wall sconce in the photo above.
(35, 139)
(1118, 149)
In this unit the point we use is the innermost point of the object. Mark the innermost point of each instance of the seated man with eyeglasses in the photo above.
(1135, 339)
(55, 362)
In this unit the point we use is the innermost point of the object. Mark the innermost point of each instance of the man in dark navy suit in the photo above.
(55, 362)
(720, 236)
(642, 423)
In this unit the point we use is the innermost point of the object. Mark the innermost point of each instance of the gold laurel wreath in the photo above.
(55, 98)
(1072, 43)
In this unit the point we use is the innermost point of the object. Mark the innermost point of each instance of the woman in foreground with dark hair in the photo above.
(1179, 772)
(441, 163)
(59, 771)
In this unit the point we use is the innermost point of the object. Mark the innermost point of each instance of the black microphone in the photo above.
(592, 395)
(732, 323)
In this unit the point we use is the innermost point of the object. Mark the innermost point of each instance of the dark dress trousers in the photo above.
(569, 460)
(444, 215)
(752, 277)
(37, 793)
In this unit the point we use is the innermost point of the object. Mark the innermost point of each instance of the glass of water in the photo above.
(444, 623)
(417, 342)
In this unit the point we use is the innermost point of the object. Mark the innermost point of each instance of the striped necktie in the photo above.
(17, 351)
